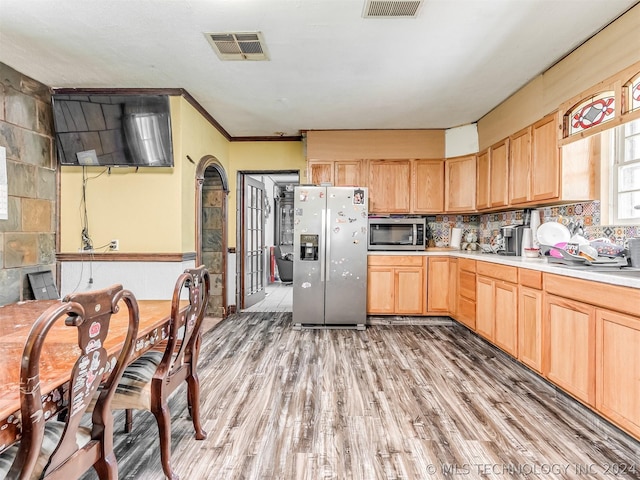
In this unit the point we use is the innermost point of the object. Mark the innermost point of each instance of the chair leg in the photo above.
(163, 418)
(107, 467)
(128, 420)
(193, 397)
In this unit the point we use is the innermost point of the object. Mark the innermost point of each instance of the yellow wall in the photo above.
(609, 52)
(151, 210)
(260, 156)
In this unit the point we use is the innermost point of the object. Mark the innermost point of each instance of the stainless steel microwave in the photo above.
(397, 233)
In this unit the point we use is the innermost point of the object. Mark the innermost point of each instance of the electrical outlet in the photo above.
(114, 245)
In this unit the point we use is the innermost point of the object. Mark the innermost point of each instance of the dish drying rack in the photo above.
(576, 260)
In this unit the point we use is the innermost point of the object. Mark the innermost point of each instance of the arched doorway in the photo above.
(212, 189)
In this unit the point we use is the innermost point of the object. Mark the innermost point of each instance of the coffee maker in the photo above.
(512, 239)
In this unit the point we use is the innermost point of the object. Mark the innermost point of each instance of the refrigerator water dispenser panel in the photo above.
(309, 247)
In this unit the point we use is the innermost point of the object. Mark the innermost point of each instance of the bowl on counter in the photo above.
(531, 252)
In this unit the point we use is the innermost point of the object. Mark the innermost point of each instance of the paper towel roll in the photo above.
(527, 240)
(535, 223)
(456, 238)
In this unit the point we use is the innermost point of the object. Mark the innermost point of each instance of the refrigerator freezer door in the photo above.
(346, 252)
(308, 266)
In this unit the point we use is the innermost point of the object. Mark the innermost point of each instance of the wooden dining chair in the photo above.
(149, 381)
(66, 449)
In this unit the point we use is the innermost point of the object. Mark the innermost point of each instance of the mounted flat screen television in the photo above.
(113, 130)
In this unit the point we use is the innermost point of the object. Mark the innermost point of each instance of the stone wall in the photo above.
(27, 237)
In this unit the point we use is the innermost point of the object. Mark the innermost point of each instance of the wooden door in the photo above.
(499, 179)
(519, 167)
(506, 316)
(389, 186)
(618, 369)
(438, 285)
(453, 287)
(569, 347)
(545, 161)
(380, 290)
(483, 176)
(460, 184)
(428, 186)
(485, 307)
(348, 173)
(409, 290)
(253, 255)
(530, 327)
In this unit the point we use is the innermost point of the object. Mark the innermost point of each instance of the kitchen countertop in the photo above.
(628, 278)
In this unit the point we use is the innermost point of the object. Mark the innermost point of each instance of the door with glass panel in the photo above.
(253, 220)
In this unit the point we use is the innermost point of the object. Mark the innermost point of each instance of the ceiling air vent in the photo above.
(391, 8)
(238, 46)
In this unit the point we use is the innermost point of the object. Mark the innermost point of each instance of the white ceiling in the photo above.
(329, 67)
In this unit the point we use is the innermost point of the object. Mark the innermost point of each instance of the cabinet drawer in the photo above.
(466, 312)
(466, 264)
(467, 285)
(530, 278)
(501, 272)
(395, 260)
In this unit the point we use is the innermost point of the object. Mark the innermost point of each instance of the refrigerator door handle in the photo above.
(327, 250)
(321, 252)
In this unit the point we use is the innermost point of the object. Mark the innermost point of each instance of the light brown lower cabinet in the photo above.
(618, 369)
(438, 285)
(530, 327)
(497, 313)
(396, 285)
(569, 340)
(466, 290)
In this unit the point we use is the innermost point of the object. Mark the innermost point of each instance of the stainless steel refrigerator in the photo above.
(330, 257)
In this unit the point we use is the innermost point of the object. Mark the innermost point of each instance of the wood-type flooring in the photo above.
(391, 402)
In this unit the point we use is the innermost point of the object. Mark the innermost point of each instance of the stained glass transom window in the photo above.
(634, 94)
(594, 111)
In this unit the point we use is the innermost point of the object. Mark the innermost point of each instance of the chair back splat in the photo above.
(55, 449)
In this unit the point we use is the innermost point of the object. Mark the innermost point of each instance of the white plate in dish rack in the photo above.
(552, 233)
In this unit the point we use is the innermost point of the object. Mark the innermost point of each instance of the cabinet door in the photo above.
(348, 173)
(453, 287)
(499, 179)
(506, 316)
(530, 327)
(428, 186)
(466, 301)
(320, 172)
(409, 291)
(380, 290)
(569, 347)
(519, 166)
(460, 184)
(545, 171)
(483, 175)
(485, 307)
(438, 285)
(389, 186)
(618, 369)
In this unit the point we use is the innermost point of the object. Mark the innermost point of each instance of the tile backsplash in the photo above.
(487, 226)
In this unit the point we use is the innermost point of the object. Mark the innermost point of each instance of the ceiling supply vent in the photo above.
(391, 8)
(238, 46)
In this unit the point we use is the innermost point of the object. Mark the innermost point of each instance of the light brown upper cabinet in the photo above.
(499, 177)
(427, 186)
(520, 167)
(460, 184)
(483, 177)
(389, 186)
(545, 159)
(339, 172)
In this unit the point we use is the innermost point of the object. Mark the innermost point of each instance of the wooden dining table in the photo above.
(60, 353)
